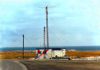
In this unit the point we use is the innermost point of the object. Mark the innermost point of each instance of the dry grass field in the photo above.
(27, 55)
(83, 53)
(16, 55)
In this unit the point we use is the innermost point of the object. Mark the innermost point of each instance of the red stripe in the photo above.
(43, 52)
(38, 51)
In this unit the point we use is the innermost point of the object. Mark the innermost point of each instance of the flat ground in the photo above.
(61, 65)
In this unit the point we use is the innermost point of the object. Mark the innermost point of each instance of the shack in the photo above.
(49, 53)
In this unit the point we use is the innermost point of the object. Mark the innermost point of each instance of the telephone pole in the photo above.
(23, 46)
(47, 26)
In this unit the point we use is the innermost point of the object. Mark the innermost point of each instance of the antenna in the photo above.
(46, 7)
(47, 26)
(44, 43)
(44, 37)
(43, 6)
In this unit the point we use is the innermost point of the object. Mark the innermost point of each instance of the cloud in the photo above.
(74, 20)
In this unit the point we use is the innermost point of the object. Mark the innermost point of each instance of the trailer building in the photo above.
(49, 53)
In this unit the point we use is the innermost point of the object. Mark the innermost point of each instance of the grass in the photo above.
(83, 53)
(15, 55)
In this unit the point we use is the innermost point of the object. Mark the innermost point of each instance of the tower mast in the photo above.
(47, 26)
(44, 37)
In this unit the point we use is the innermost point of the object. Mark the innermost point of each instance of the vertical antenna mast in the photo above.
(23, 46)
(47, 26)
(44, 36)
(47, 23)
(44, 43)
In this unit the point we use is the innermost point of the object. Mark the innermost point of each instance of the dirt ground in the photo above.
(61, 65)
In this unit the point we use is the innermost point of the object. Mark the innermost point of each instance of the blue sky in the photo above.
(71, 22)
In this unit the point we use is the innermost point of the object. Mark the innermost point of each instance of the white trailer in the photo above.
(50, 53)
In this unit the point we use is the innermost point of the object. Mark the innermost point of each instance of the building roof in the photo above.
(51, 48)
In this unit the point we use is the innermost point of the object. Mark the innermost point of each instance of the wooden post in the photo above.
(23, 46)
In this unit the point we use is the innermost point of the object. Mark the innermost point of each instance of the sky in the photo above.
(70, 22)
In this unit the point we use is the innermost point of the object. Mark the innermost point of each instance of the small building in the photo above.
(50, 53)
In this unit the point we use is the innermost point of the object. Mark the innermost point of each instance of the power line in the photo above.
(34, 35)
(55, 36)
(18, 44)
(58, 29)
(13, 42)
(35, 22)
(28, 40)
(26, 30)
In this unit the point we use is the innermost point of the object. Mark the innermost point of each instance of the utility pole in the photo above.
(47, 26)
(23, 46)
(44, 37)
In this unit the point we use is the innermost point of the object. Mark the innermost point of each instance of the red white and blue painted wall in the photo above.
(49, 53)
